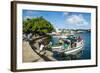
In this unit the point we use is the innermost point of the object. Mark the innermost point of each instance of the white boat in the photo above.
(62, 36)
(76, 49)
(70, 50)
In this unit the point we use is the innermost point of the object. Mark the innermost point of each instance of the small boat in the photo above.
(72, 45)
(76, 49)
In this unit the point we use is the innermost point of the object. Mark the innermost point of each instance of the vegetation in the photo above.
(37, 25)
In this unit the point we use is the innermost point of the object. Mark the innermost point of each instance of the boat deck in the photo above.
(69, 50)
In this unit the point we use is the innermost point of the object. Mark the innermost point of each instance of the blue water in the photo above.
(84, 54)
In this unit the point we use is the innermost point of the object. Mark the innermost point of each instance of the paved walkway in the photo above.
(29, 55)
(33, 55)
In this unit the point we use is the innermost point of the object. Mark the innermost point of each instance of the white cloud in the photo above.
(76, 20)
(65, 13)
(31, 12)
(27, 17)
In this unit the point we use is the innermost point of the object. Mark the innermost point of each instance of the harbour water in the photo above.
(84, 54)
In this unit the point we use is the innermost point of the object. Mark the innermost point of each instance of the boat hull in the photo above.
(74, 51)
(70, 51)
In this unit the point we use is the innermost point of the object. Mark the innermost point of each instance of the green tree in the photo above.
(37, 25)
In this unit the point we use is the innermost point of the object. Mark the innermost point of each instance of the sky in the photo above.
(62, 20)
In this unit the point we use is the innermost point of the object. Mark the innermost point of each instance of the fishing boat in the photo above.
(71, 45)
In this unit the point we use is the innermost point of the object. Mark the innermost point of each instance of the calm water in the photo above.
(84, 54)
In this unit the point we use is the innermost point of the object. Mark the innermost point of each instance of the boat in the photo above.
(76, 49)
(72, 45)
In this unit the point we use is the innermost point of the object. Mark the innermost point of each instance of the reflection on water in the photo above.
(83, 54)
(62, 56)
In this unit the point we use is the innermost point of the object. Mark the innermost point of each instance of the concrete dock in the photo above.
(30, 54)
